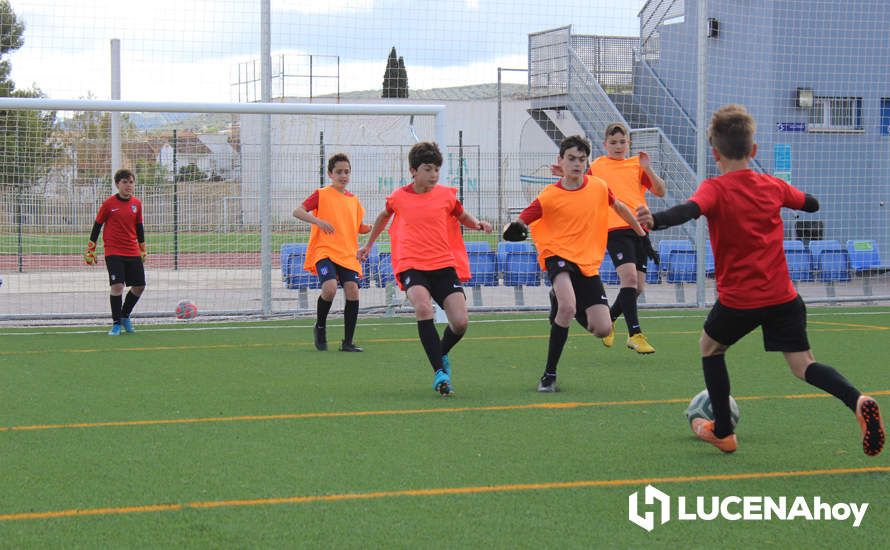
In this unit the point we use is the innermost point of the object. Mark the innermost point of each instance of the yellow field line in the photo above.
(443, 491)
(392, 412)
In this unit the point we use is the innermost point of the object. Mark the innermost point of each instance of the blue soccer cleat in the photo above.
(446, 364)
(115, 330)
(127, 324)
(442, 383)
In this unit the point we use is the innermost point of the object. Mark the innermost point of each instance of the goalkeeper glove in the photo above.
(650, 250)
(515, 231)
(89, 257)
(142, 251)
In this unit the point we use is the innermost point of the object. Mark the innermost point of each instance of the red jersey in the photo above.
(120, 217)
(743, 210)
(425, 233)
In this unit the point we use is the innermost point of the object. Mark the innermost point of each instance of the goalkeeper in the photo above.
(570, 232)
(124, 245)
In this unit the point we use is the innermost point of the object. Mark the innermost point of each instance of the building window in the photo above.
(835, 114)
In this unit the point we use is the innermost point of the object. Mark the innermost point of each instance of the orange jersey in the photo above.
(425, 233)
(627, 181)
(345, 213)
(573, 224)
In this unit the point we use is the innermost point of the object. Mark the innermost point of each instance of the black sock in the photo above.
(627, 297)
(449, 340)
(429, 337)
(717, 382)
(129, 304)
(615, 310)
(558, 337)
(830, 380)
(350, 318)
(116, 302)
(322, 309)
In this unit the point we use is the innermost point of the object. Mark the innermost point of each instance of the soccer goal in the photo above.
(217, 199)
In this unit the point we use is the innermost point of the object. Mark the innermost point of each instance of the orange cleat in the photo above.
(872, 426)
(704, 430)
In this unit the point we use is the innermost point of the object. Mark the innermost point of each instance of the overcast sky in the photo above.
(190, 50)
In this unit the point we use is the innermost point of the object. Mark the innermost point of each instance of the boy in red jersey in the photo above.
(753, 285)
(428, 254)
(628, 179)
(124, 243)
(336, 218)
(570, 226)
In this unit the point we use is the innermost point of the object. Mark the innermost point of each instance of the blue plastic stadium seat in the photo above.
(287, 249)
(521, 269)
(607, 271)
(483, 268)
(369, 267)
(296, 277)
(383, 273)
(865, 258)
(677, 260)
(652, 275)
(710, 269)
(830, 261)
(798, 258)
(506, 247)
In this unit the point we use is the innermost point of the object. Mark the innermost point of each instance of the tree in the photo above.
(87, 138)
(27, 147)
(395, 78)
(190, 172)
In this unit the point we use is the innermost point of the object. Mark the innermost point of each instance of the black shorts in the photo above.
(589, 291)
(126, 270)
(784, 325)
(626, 247)
(441, 283)
(327, 270)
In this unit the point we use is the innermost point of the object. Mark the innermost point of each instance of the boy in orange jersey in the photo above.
(570, 232)
(124, 244)
(628, 179)
(336, 218)
(428, 254)
(753, 285)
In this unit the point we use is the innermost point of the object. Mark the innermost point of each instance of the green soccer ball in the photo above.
(700, 407)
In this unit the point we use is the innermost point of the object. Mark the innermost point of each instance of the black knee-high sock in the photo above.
(627, 297)
(116, 302)
(558, 337)
(615, 310)
(129, 304)
(449, 340)
(826, 378)
(350, 318)
(321, 312)
(429, 337)
(717, 382)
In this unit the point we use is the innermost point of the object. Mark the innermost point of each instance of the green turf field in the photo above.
(242, 435)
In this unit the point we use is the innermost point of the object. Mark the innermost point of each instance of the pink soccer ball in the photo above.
(186, 309)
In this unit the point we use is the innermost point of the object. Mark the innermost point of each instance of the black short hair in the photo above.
(424, 152)
(122, 174)
(574, 141)
(335, 158)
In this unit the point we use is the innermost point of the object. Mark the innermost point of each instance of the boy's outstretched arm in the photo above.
(379, 225)
(810, 204)
(676, 215)
(622, 210)
(468, 220)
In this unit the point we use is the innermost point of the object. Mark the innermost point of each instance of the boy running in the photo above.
(124, 244)
(570, 228)
(628, 180)
(428, 254)
(753, 285)
(336, 218)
